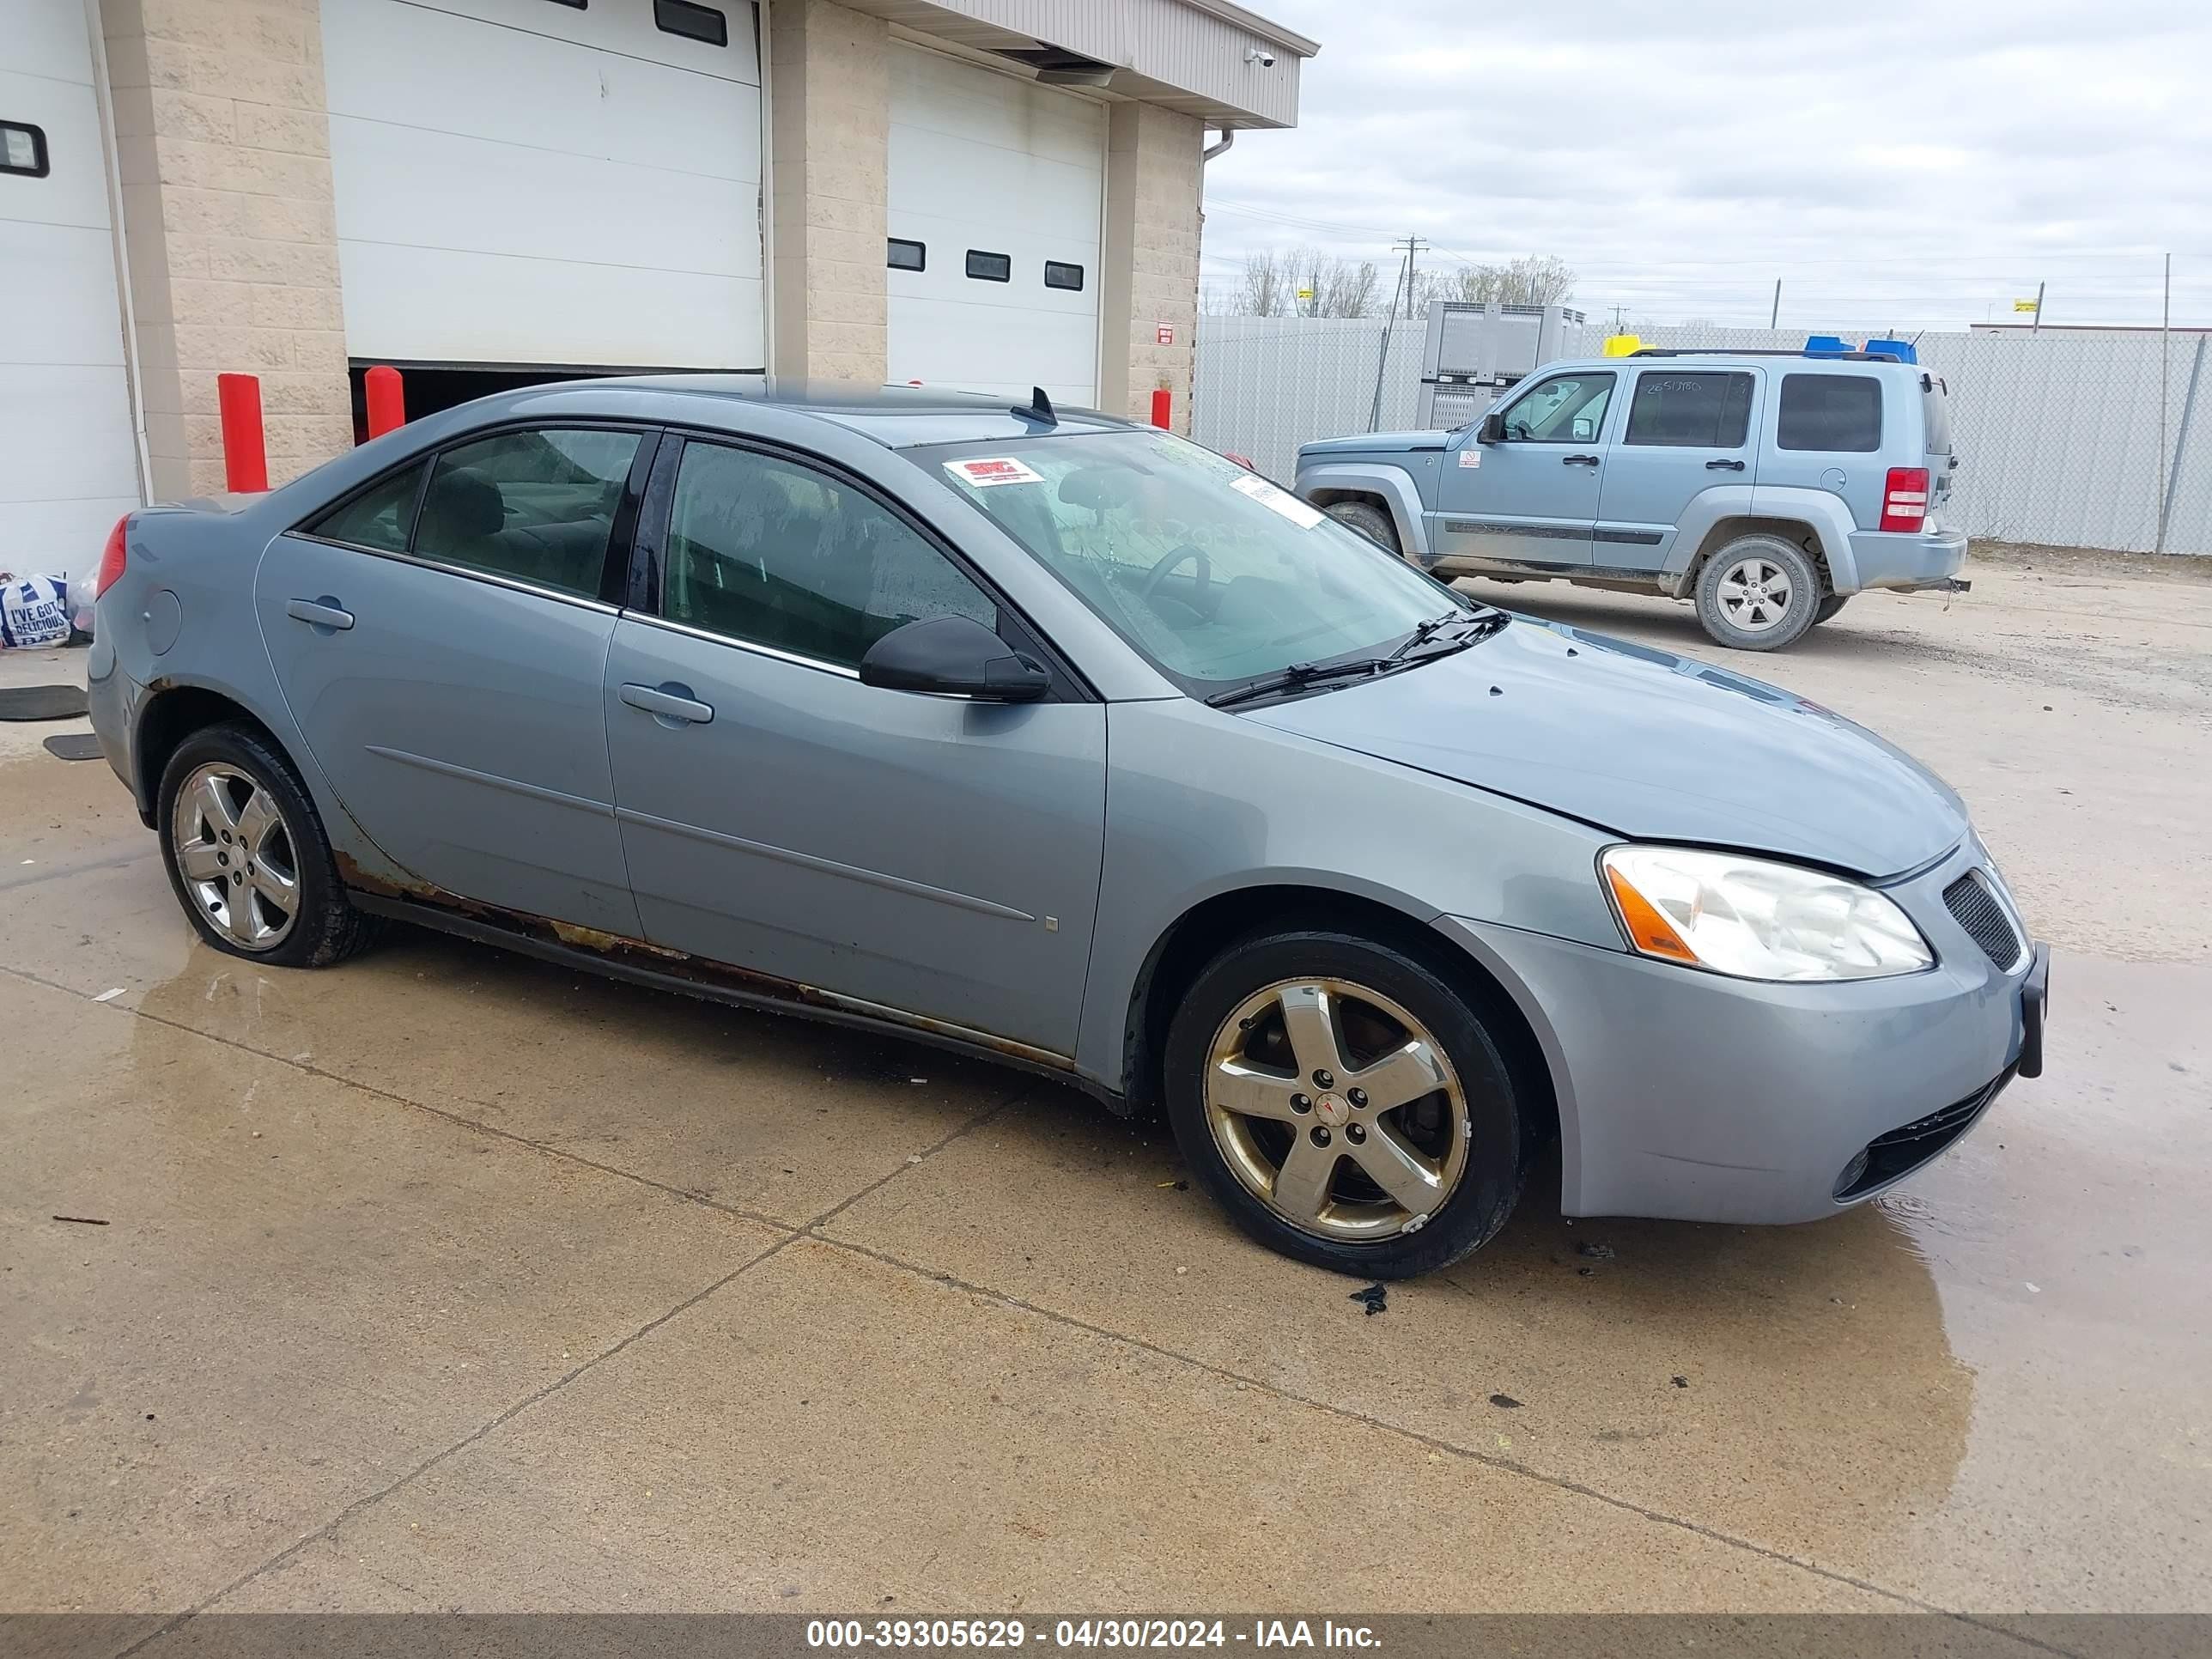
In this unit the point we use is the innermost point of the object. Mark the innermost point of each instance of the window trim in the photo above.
(613, 572)
(1612, 375)
(649, 552)
(1075, 287)
(42, 155)
(1628, 422)
(975, 275)
(921, 249)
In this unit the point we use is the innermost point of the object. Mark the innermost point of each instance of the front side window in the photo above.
(379, 518)
(536, 506)
(1830, 412)
(1701, 410)
(772, 553)
(1212, 573)
(1567, 409)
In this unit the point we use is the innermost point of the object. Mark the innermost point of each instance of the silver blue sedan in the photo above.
(1035, 734)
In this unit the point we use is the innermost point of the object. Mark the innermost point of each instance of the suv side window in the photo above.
(1831, 412)
(536, 506)
(775, 554)
(1567, 409)
(1691, 411)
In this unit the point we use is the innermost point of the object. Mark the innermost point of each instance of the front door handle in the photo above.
(670, 702)
(1579, 460)
(1733, 466)
(325, 612)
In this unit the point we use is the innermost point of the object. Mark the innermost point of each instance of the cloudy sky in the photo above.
(1914, 162)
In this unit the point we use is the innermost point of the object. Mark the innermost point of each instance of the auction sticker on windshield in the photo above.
(983, 472)
(1279, 499)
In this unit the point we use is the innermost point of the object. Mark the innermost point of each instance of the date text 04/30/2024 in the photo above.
(948, 1635)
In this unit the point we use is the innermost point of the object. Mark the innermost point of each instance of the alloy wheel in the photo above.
(1755, 594)
(1335, 1108)
(237, 856)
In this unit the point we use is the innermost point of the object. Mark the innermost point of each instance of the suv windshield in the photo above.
(1217, 575)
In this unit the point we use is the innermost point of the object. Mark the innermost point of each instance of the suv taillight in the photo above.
(1905, 499)
(110, 559)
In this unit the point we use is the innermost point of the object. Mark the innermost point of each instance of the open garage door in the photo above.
(523, 182)
(69, 457)
(997, 190)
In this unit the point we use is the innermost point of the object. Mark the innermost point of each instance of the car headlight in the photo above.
(1755, 918)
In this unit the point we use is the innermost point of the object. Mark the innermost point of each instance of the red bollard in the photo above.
(1162, 408)
(386, 398)
(245, 448)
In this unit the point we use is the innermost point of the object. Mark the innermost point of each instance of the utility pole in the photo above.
(1413, 244)
(2036, 327)
(1774, 317)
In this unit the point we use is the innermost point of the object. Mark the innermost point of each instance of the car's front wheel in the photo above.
(1368, 519)
(247, 856)
(1758, 593)
(1344, 1104)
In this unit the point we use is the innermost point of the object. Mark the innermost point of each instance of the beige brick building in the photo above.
(985, 193)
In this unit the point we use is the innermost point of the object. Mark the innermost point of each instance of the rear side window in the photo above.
(764, 550)
(538, 507)
(1705, 411)
(1831, 412)
(1936, 410)
(379, 518)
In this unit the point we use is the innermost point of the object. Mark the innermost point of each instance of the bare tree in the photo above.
(1539, 279)
(1302, 282)
(1267, 285)
(1338, 286)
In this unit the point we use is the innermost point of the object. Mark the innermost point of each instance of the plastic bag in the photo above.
(35, 611)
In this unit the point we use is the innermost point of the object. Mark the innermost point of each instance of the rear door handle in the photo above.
(669, 702)
(1579, 460)
(325, 612)
(1715, 466)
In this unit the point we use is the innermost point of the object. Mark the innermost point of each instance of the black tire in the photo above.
(1829, 606)
(1789, 621)
(325, 928)
(1368, 519)
(1489, 1183)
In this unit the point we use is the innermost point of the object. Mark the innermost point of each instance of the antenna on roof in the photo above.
(1039, 408)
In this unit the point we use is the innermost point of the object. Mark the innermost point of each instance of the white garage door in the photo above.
(522, 181)
(994, 181)
(69, 464)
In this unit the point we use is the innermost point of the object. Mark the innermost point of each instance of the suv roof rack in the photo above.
(1766, 352)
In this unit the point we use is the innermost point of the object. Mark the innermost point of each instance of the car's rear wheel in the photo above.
(1368, 519)
(1758, 593)
(247, 856)
(1344, 1104)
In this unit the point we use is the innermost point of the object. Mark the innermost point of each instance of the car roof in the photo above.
(1825, 362)
(898, 417)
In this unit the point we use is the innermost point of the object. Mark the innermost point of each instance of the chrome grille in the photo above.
(1979, 911)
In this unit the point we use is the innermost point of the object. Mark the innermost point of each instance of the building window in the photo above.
(577, 5)
(1057, 274)
(907, 256)
(694, 22)
(23, 150)
(990, 267)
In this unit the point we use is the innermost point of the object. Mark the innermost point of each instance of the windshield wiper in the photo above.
(1297, 676)
(1487, 622)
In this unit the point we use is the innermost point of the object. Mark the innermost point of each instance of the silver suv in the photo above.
(1766, 486)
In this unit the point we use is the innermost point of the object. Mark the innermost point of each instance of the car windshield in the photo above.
(1217, 575)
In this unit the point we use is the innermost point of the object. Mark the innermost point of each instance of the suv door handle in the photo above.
(324, 612)
(1579, 460)
(671, 703)
(1715, 466)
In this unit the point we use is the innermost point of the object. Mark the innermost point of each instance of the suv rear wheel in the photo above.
(1368, 519)
(1344, 1104)
(1758, 593)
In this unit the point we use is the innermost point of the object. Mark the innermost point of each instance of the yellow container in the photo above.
(1622, 345)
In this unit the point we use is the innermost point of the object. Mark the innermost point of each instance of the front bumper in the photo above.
(1693, 1096)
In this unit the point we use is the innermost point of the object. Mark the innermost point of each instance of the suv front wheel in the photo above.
(1760, 593)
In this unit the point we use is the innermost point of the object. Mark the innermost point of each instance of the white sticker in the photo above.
(984, 471)
(1470, 457)
(1279, 500)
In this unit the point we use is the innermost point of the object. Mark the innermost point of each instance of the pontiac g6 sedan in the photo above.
(1062, 741)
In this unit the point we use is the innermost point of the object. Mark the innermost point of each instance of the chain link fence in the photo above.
(2065, 439)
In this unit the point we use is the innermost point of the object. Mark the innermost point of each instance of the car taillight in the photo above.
(110, 559)
(1905, 499)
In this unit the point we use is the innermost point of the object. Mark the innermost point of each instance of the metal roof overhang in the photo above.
(1197, 56)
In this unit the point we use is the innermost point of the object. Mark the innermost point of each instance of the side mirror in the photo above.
(1493, 430)
(953, 657)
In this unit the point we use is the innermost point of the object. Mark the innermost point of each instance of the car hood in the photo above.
(1645, 744)
(1362, 443)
